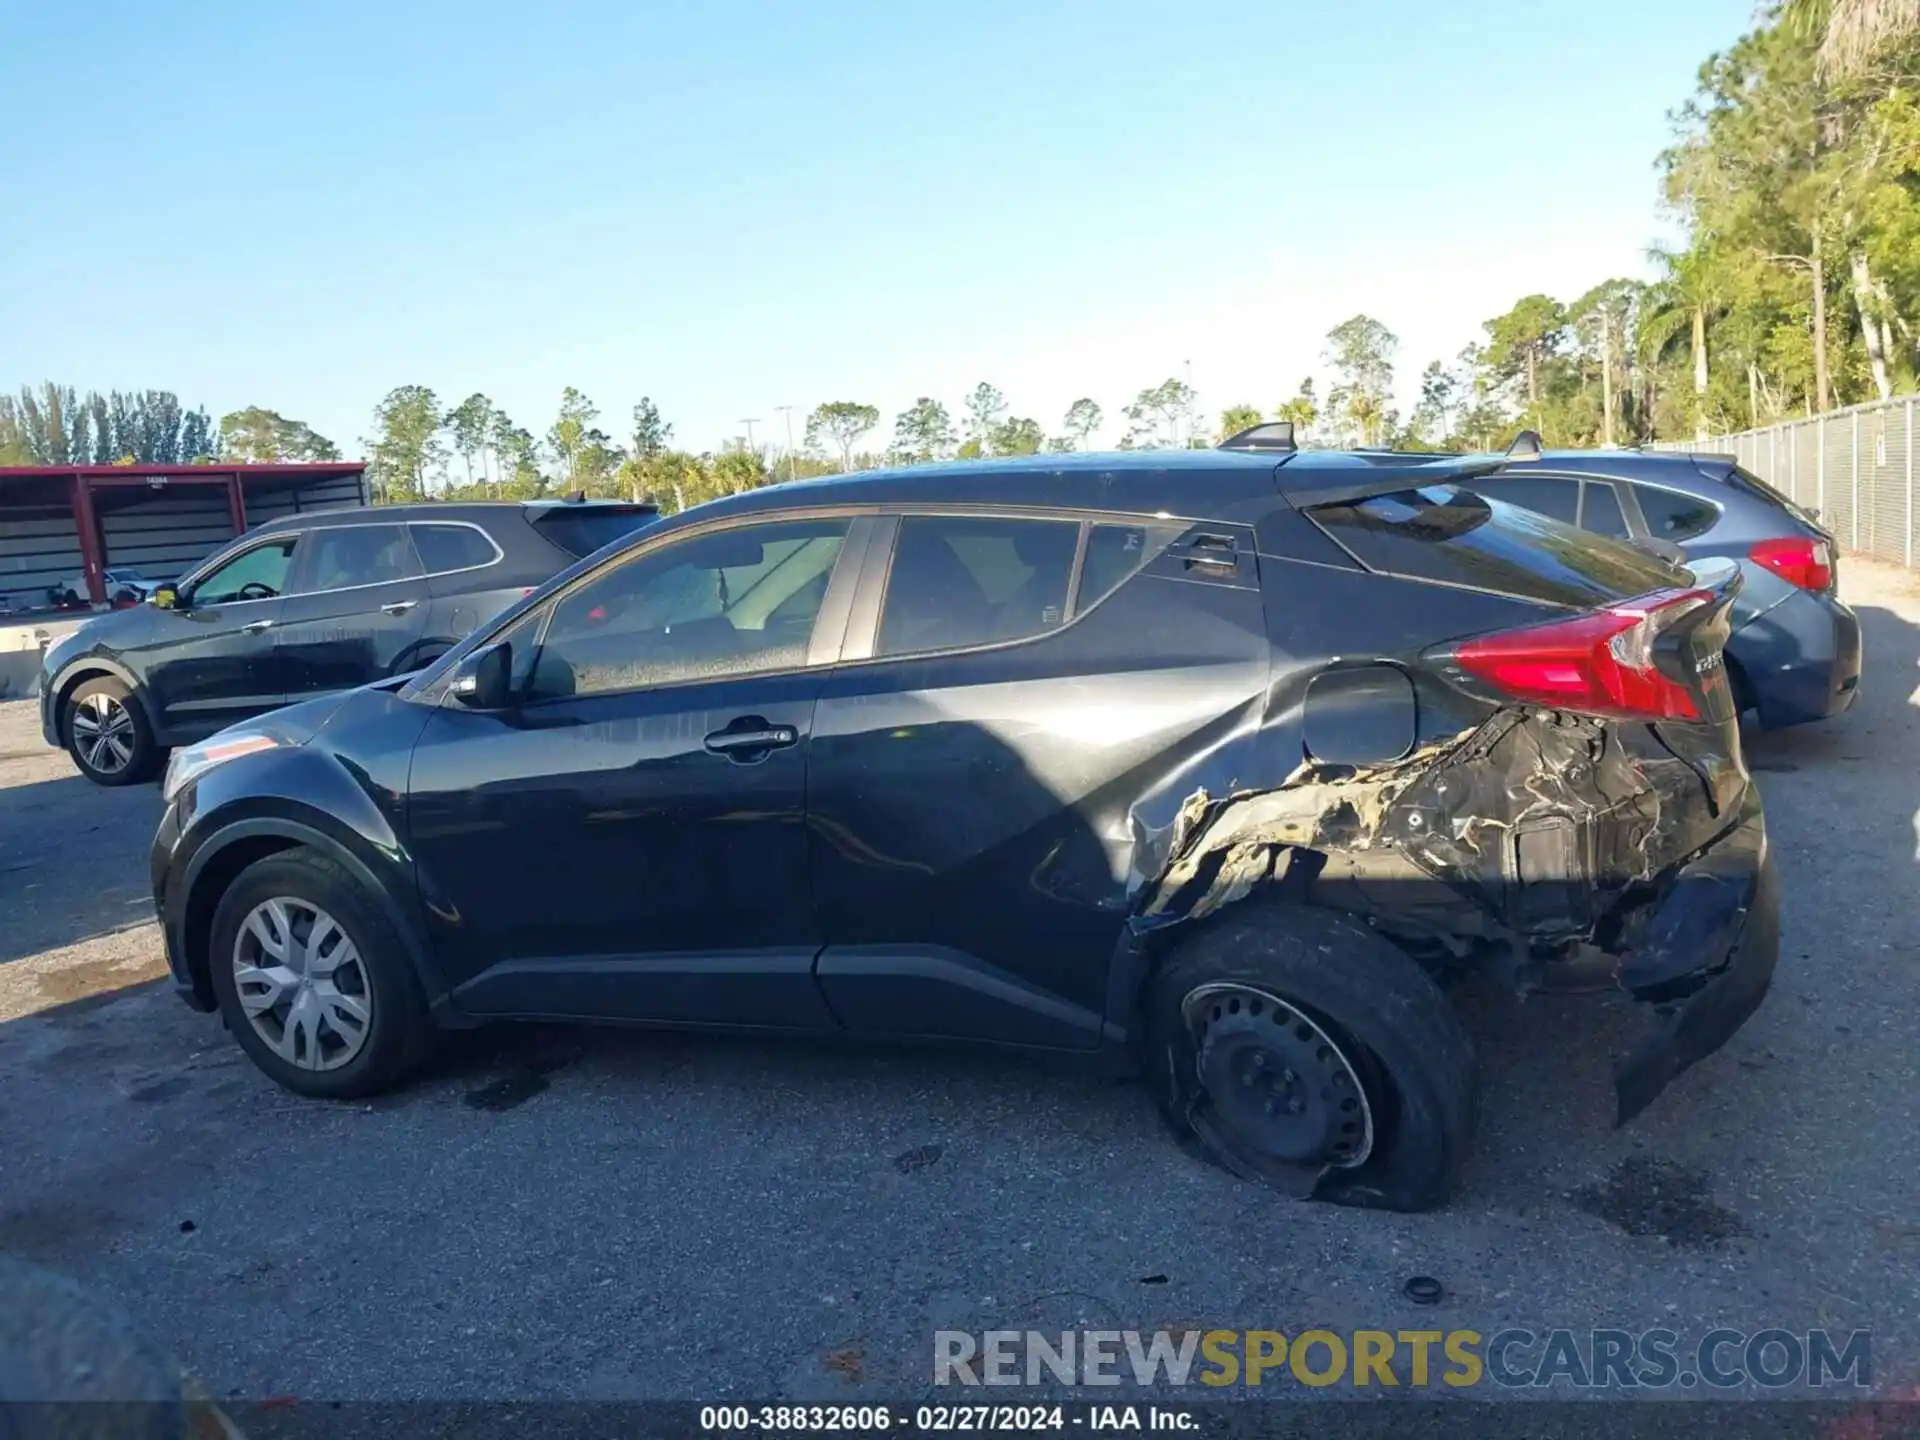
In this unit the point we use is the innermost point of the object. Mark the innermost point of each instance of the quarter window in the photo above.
(728, 603)
(341, 557)
(451, 547)
(1601, 511)
(1673, 516)
(965, 580)
(256, 574)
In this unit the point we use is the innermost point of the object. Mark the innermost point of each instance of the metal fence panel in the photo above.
(1856, 467)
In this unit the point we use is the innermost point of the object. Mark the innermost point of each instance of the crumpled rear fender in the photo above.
(1564, 849)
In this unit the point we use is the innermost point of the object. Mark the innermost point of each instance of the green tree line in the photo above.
(57, 425)
(1794, 172)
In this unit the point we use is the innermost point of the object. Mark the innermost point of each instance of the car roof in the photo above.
(1121, 480)
(1676, 469)
(471, 511)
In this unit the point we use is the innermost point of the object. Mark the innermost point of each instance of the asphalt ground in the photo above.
(610, 1215)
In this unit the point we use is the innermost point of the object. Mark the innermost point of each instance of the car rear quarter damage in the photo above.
(1552, 851)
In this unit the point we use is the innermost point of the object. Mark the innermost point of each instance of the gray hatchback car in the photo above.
(1795, 653)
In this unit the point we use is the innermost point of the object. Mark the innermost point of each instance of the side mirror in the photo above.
(167, 598)
(484, 679)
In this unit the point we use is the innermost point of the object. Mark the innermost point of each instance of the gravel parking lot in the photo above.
(604, 1214)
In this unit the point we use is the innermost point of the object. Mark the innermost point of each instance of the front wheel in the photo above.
(107, 734)
(1300, 1048)
(314, 981)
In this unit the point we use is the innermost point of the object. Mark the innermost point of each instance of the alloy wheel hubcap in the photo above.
(103, 733)
(302, 984)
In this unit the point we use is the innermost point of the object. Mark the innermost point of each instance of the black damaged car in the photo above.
(1212, 765)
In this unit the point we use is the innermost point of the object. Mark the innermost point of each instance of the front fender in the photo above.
(79, 668)
(236, 812)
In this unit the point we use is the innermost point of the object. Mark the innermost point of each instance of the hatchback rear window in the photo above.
(1745, 480)
(584, 529)
(1444, 533)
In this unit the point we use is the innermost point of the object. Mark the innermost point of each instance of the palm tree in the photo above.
(1854, 33)
(1685, 301)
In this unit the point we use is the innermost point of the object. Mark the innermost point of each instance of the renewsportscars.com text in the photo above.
(1457, 1359)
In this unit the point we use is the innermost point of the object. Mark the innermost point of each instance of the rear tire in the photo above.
(107, 734)
(359, 1024)
(1268, 990)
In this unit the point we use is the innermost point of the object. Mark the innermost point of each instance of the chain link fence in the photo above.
(1854, 466)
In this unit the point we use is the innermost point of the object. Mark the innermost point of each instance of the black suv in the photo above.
(299, 607)
(1208, 763)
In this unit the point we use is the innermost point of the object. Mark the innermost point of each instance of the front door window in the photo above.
(256, 574)
(733, 602)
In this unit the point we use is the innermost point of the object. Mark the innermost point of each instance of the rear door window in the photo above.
(345, 557)
(1671, 515)
(1445, 533)
(1550, 495)
(960, 581)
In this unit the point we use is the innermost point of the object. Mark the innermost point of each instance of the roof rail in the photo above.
(1525, 446)
(1268, 435)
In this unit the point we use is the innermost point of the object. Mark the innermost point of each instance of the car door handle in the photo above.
(751, 739)
(254, 627)
(1213, 553)
(398, 607)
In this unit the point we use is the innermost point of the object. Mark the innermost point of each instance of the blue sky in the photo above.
(731, 207)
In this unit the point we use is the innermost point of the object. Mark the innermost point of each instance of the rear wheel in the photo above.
(107, 734)
(1299, 1048)
(314, 981)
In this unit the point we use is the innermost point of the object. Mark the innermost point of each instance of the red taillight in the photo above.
(1600, 663)
(1802, 562)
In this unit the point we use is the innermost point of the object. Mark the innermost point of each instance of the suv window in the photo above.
(1672, 515)
(445, 547)
(341, 557)
(965, 580)
(256, 574)
(1442, 532)
(1600, 511)
(1548, 495)
(728, 603)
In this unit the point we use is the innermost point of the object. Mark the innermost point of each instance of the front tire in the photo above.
(1300, 1048)
(108, 735)
(313, 980)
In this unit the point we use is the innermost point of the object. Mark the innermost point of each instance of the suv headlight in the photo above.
(190, 762)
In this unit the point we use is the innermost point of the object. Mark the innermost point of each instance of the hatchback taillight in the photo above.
(1600, 663)
(1799, 561)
